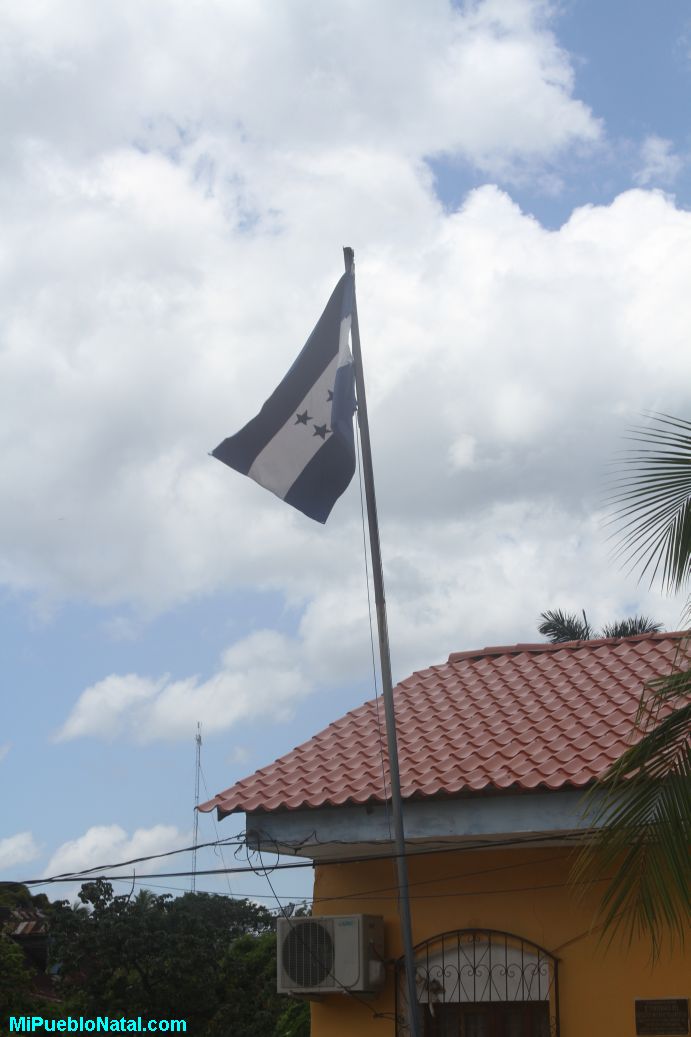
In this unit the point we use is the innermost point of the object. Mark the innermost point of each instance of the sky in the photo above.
(177, 182)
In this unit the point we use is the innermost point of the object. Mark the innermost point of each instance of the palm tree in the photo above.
(630, 626)
(559, 627)
(641, 811)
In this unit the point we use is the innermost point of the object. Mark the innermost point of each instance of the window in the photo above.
(482, 983)
(518, 1019)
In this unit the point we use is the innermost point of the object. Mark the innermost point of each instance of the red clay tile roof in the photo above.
(524, 716)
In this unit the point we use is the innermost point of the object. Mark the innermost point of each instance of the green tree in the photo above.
(559, 627)
(196, 957)
(21, 992)
(294, 1020)
(642, 813)
(15, 981)
(250, 1005)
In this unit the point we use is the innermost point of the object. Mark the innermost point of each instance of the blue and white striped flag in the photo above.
(301, 445)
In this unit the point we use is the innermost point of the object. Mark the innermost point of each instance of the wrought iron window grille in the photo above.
(482, 968)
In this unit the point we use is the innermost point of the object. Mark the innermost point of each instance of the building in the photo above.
(496, 747)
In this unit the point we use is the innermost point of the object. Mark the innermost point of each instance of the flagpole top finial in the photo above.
(348, 258)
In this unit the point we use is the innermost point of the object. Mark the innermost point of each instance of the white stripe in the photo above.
(344, 354)
(293, 447)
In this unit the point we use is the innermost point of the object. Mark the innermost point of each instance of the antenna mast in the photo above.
(195, 829)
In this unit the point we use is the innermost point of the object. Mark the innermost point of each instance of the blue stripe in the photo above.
(240, 450)
(343, 405)
(327, 475)
(322, 482)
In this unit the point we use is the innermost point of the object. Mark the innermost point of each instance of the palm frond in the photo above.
(559, 627)
(630, 626)
(652, 502)
(646, 849)
(640, 819)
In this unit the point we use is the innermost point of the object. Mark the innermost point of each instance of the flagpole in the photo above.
(385, 657)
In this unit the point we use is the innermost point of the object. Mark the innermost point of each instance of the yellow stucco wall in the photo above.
(523, 891)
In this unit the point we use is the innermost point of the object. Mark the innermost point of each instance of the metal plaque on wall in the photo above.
(662, 1017)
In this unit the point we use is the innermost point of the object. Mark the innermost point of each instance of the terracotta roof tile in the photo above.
(520, 716)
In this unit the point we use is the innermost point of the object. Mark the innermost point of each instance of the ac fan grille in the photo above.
(308, 954)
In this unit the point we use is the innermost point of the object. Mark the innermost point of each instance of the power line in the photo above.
(218, 848)
(72, 876)
(380, 891)
(366, 895)
(296, 865)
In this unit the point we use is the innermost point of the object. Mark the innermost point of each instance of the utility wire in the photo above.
(233, 840)
(533, 862)
(295, 865)
(375, 896)
(218, 847)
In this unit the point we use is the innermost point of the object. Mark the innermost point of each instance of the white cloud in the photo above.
(534, 348)
(157, 188)
(4, 750)
(239, 754)
(122, 628)
(484, 326)
(259, 677)
(103, 846)
(462, 451)
(487, 80)
(173, 209)
(108, 845)
(18, 849)
(471, 581)
(463, 583)
(106, 706)
(659, 165)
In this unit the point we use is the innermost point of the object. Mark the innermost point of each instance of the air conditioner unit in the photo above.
(329, 954)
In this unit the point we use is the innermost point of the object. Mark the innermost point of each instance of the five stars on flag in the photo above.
(304, 417)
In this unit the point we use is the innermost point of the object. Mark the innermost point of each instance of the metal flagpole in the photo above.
(385, 657)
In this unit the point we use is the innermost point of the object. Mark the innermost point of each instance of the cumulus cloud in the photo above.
(170, 234)
(658, 162)
(488, 79)
(504, 363)
(18, 849)
(169, 239)
(108, 845)
(464, 583)
(239, 754)
(259, 676)
(490, 331)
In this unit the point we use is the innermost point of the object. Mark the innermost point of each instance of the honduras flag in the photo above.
(301, 445)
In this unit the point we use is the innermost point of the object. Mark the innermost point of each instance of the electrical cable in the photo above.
(379, 891)
(217, 849)
(69, 876)
(375, 892)
(296, 865)
(144, 883)
(369, 893)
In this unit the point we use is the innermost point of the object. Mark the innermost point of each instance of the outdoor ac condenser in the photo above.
(330, 954)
